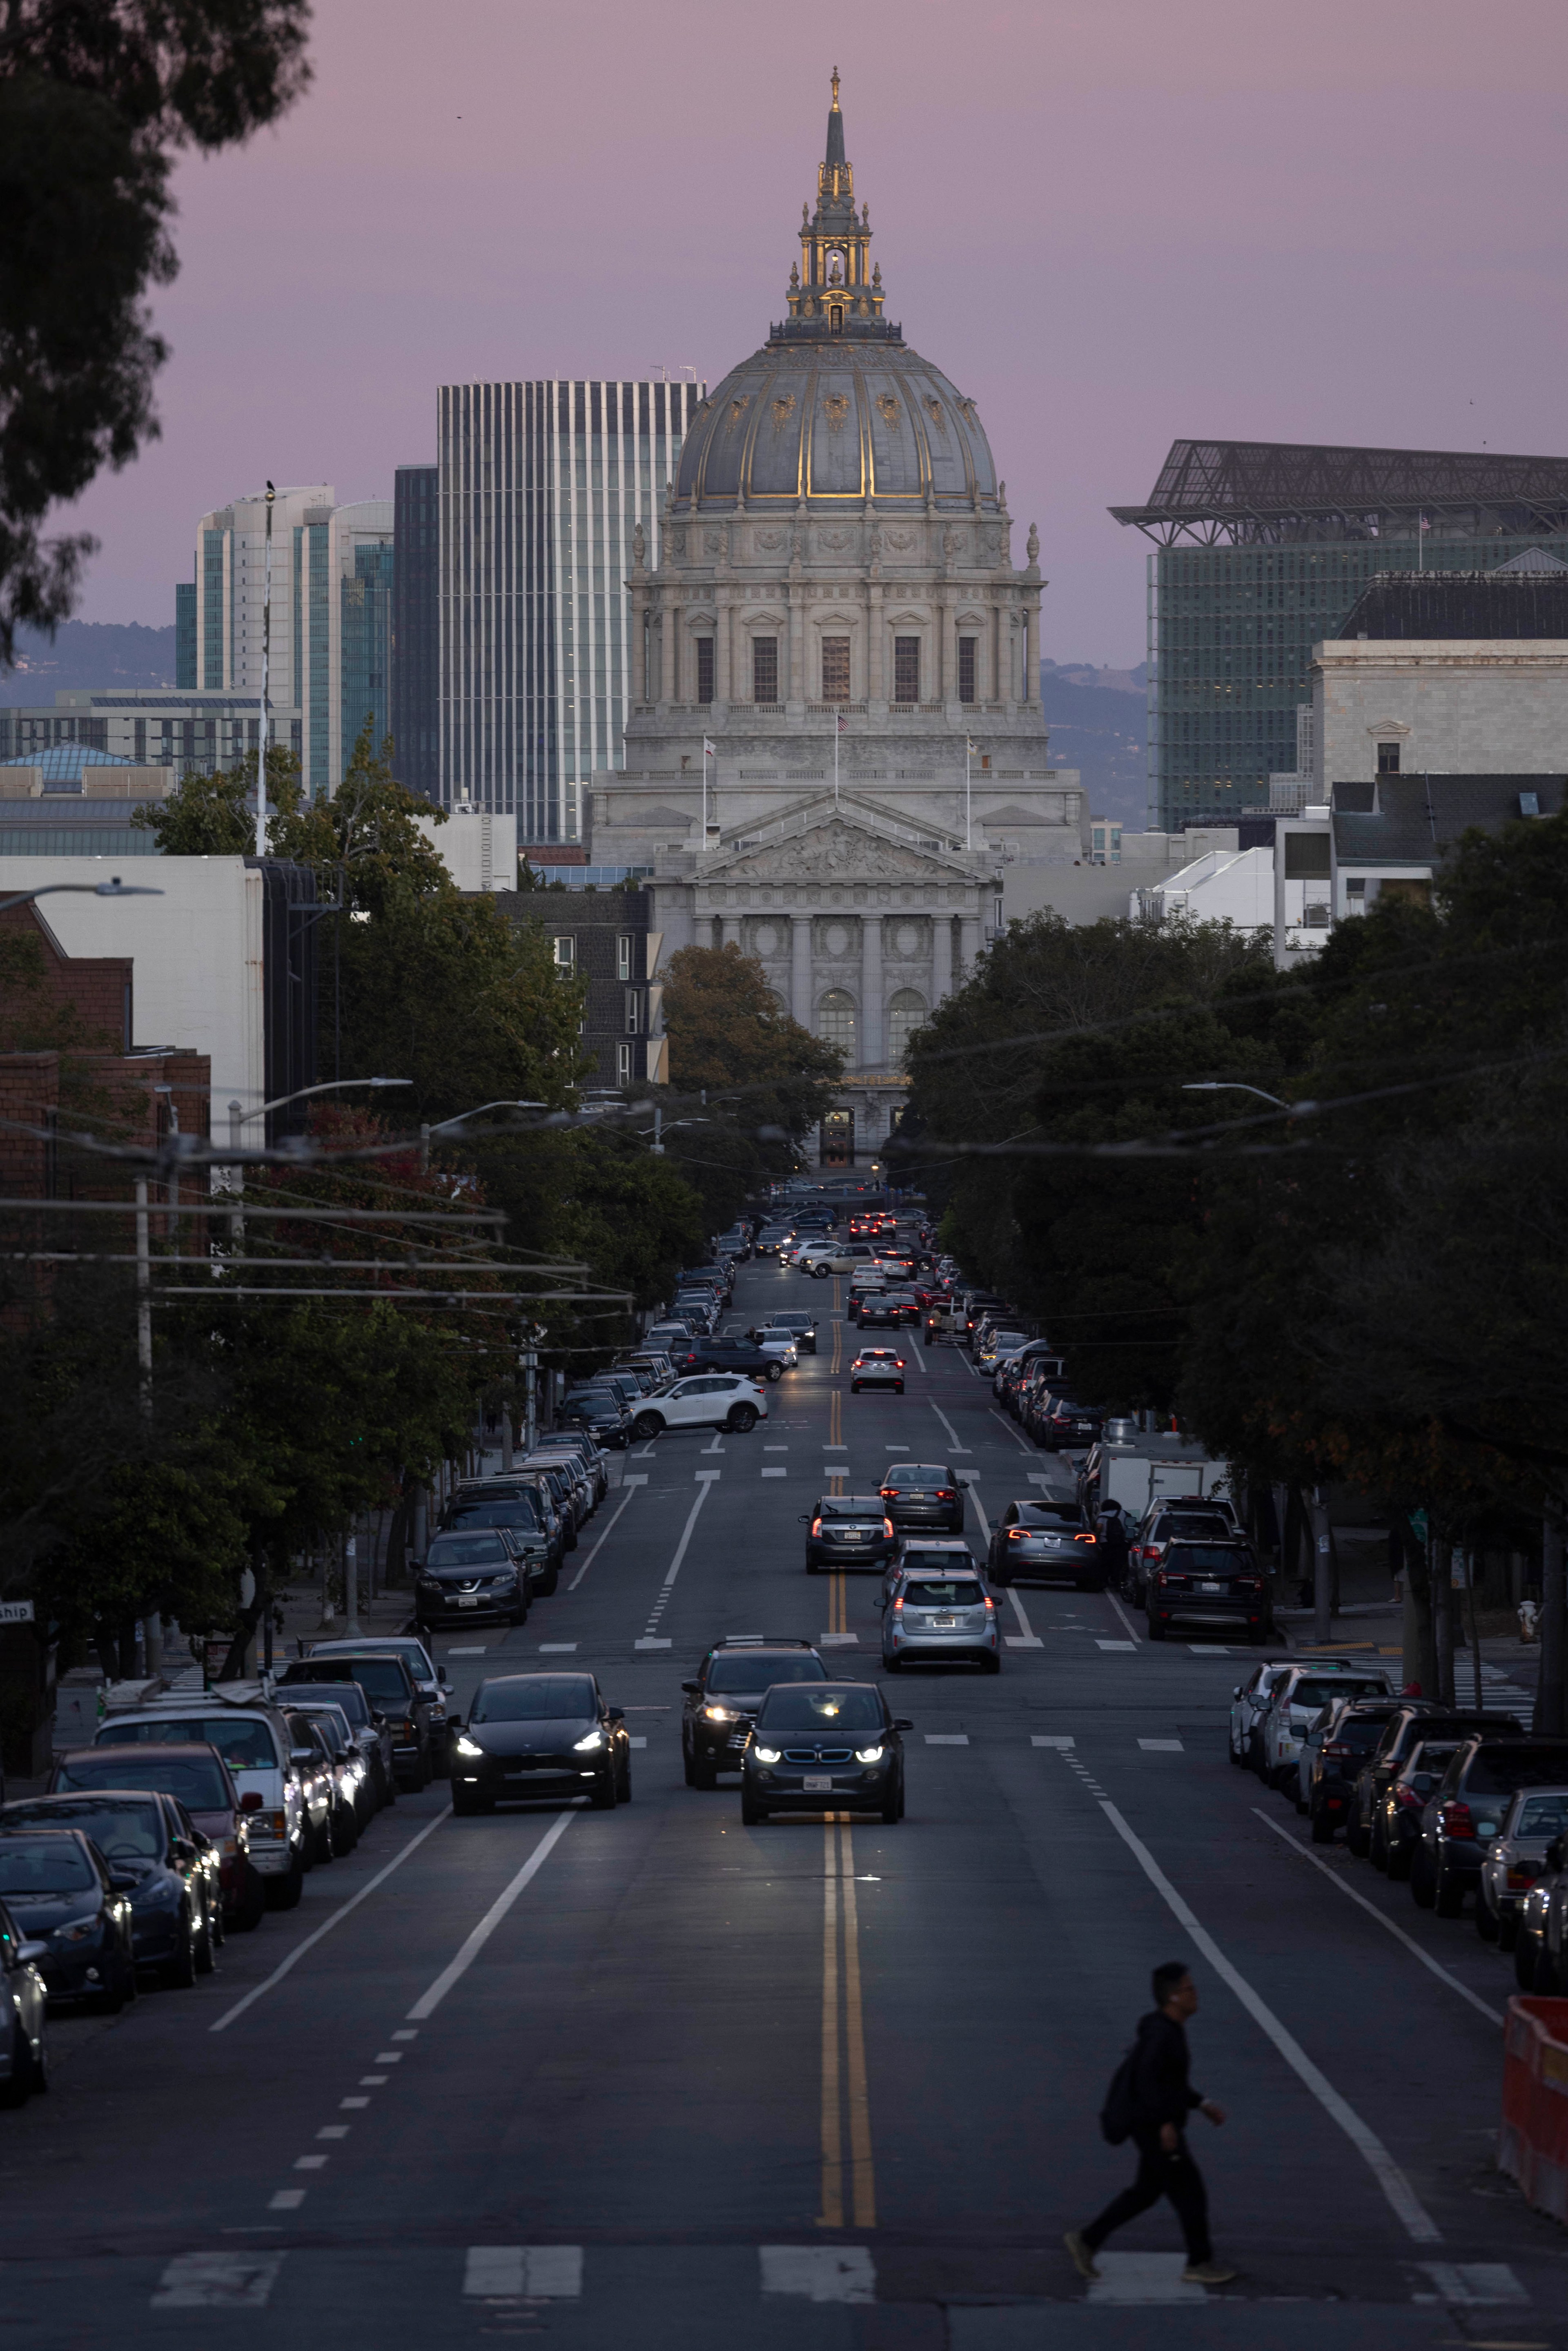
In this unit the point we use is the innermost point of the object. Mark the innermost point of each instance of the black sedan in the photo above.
(541, 1735)
(61, 1893)
(848, 1531)
(924, 1494)
(1046, 1542)
(197, 1777)
(469, 1574)
(144, 1839)
(721, 1704)
(601, 1411)
(803, 1327)
(824, 1747)
(1064, 1425)
(1207, 1583)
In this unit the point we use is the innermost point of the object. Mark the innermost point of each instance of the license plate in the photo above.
(1208, 1587)
(943, 1623)
(468, 1603)
(815, 1786)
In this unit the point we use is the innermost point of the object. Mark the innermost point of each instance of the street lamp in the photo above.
(461, 1118)
(238, 1117)
(1233, 1086)
(114, 888)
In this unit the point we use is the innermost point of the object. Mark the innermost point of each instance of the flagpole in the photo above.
(265, 655)
(837, 723)
(968, 833)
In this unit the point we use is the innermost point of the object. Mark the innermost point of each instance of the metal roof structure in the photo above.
(1213, 492)
(1508, 602)
(1412, 820)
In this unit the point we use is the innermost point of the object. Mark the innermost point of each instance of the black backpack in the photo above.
(1118, 2114)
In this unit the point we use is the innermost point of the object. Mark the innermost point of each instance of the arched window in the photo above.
(905, 1013)
(836, 1022)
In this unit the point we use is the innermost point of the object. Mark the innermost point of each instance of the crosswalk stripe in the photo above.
(507, 2272)
(217, 2280)
(818, 2272)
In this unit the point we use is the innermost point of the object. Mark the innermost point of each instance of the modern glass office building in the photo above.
(1262, 551)
(416, 627)
(542, 484)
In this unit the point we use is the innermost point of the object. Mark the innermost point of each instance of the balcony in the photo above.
(835, 709)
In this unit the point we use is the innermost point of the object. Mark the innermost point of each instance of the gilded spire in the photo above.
(836, 284)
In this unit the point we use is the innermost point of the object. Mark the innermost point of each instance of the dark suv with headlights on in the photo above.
(1046, 1542)
(530, 1734)
(848, 1531)
(1206, 1584)
(721, 1704)
(819, 1747)
(1465, 1813)
(468, 1574)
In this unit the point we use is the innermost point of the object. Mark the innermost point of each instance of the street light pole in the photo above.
(1234, 1086)
(266, 655)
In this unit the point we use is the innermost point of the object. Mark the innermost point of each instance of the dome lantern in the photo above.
(836, 286)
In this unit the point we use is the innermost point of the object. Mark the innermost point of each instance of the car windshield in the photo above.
(386, 1678)
(795, 1322)
(757, 1669)
(518, 1510)
(776, 1334)
(199, 1783)
(1049, 1514)
(1542, 1816)
(1314, 1693)
(787, 1712)
(1498, 1771)
(122, 1828)
(466, 1551)
(1209, 1559)
(332, 1729)
(43, 1864)
(245, 1743)
(535, 1698)
(849, 1506)
(950, 1591)
(347, 1696)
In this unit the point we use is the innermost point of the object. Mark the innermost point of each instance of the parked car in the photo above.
(525, 1515)
(469, 1573)
(1063, 1425)
(149, 1839)
(1250, 1701)
(924, 1494)
(72, 1914)
(1040, 1541)
(1297, 1696)
(598, 1410)
(1413, 1720)
(371, 1730)
(1535, 1819)
(24, 2005)
(251, 1735)
(1465, 1811)
(939, 1615)
(197, 1774)
(390, 1688)
(429, 1678)
(533, 1735)
(721, 1704)
(724, 1400)
(595, 1461)
(1163, 1524)
(848, 1531)
(1336, 1745)
(1207, 1583)
(1540, 1945)
(349, 1772)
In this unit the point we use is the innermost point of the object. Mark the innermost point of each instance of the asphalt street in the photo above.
(651, 2077)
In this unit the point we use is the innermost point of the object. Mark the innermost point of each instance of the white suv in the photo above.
(708, 1400)
(1297, 1699)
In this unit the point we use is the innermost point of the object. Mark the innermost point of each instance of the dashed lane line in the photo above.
(706, 1479)
(457, 1968)
(639, 1477)
(952, 1432)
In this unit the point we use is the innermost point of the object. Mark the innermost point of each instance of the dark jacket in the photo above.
(1161, 2091)
(1113, 1537)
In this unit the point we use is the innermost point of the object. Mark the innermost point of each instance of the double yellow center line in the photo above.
(848, 2183)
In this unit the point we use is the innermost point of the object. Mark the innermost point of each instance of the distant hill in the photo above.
(88, 653)
(1098, 720)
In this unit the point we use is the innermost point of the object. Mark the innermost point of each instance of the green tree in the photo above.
(739, 1061)
(214, 816)
(368, 836)
(95, 98)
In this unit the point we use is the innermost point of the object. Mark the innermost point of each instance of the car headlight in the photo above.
(76, 1930)
(466, 1746)
(719, 1714)
(869, 1754)
(766, 1754)
(594, 1740)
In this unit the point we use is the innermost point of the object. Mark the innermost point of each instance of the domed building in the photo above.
(835, 735)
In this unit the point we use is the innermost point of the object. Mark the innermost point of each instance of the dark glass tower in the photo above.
(416, 628)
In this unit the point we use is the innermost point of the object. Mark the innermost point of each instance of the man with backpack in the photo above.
(1149, 2102)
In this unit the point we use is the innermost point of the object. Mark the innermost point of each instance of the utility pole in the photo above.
(143, 1299)
(351, 1588)
(530, 1397)
(265, 657)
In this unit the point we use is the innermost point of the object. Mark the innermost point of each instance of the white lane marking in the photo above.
(389, 2056)
(718, 1445)
(647, 1450)
(705, 1479)
(1122, 1615)
(286, 2199)
(405, 2035)
(1141, 2278)
(838, 1640)
(1476, 2284)
(373, 2080)
(1020, 1441)
(1491, 2014)
(1115, 1645)
(640, 1480)
(217, 2280)
(776, 1449)
(309, 2163)
(1026, 1637)
(776, 1473)
(297, 1953)
(510, 2272)
(557, 1648)
(1418, 2221)
(918, 1352)
(637, 1743)
(952, 1432)
(947, 1739)
(835, 1448)
(428, 2002)
(818, 2272)
(1052, 1739)
(648, 1643)
(465, 1652)
(1163, 1746)
(347, 2105)
(1206, 1649)
(334, 2130)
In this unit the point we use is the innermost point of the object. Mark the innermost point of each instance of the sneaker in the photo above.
(1207, 2273)
(1082, 2257)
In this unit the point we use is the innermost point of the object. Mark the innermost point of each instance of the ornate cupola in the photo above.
(835, 284)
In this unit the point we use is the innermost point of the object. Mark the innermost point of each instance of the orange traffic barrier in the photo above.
(1532, 2147)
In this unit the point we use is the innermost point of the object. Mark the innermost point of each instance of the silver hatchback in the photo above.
(1515, 1859)
(931, 1617)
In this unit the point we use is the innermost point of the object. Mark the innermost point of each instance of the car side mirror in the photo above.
(29, 1954)
(616, 1713)
(691, 1688)
(123, 1880)
(902, 1722)
(251, 1801)
(442, 1680)
(184, 1850)
(302, 1755)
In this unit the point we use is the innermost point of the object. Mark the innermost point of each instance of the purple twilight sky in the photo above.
(1110, 222)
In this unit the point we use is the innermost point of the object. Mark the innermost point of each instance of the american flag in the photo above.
(844, 724)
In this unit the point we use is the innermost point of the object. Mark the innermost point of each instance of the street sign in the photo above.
(16, 1612)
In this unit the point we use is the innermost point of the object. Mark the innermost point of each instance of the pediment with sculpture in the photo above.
(836, 850)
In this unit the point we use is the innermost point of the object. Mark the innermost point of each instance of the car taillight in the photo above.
(1154, 1551)
(946, 1494)
(1089, 1539)
(1455, 1821)
(1337, 1746)
(898, 1607)
(1521, 1874)
(1411, 1798)
(816, 1526)
(1017, 1534)
(991, 1603)
(890, 1493)
(887, 1528)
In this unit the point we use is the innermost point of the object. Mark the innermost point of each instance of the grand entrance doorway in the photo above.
(838, 1139)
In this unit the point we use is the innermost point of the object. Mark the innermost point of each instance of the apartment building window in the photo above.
(764, 669)
(633, 1011)
(705, 669)
(622, 1065)
(906, 669)
(835, 669)
(1388, 759)
(623, 952)
(967, 668)
(566, 954)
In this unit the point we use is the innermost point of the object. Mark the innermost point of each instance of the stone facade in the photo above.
(1454, 707)
(836, 733)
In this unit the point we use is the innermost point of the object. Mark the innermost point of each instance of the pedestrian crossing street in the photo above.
(491, 2277)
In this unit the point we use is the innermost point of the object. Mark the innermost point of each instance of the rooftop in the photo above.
(1404, 821)
(1511, 601)
(1216, 490)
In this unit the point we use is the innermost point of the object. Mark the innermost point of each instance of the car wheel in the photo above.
(1525, 1962)
(345, 1829)
(750, 1815)
(1297, 1798)
(820, 1272)
(743, 1419)
(898, 1387)
(180, 1971)
(284, 1893)
(206, 1950)
(1423, 1891)
(1377, 1845)
(1396, 1861)
(1322, 1827)
(1156, 1630)
(602, 1796)
(775, 1370)
(1487, 1925)
(14, 2090)
(647, 1423)
(1239, 1761)
(1448, 1894)
(1543, 1983)
(854, 1387)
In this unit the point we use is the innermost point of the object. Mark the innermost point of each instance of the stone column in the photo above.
(675, 615)
(970, 942)
(941, 960)
(949, 649)
(1032, 663)
(800, 970)
(876, 630)
(731, 926)
(870, 992)
(797, 632)
(639, 646)
(722, 622)
(702, 930)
